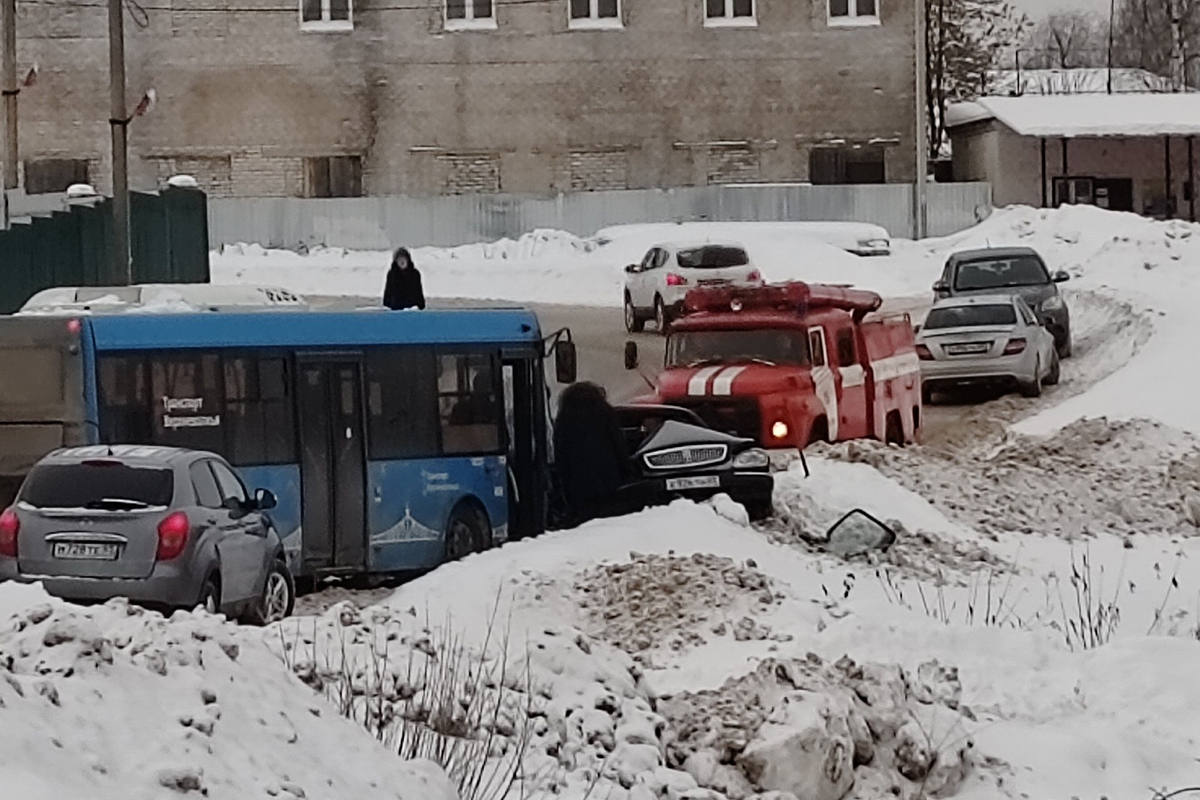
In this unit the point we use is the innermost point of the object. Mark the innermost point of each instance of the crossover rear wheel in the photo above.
(278, 597)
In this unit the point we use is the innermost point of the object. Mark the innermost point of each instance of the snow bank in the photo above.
(116, 703)
(552, 267)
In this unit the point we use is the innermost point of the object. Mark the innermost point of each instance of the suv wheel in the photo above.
(210, 595)
(633, 323)
(278, 597)
(661, 318)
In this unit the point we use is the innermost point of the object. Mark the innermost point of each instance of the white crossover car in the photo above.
(655, 288)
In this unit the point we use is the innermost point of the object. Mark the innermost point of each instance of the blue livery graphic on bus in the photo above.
(393, 442)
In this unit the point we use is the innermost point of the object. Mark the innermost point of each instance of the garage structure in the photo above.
(1125, 152)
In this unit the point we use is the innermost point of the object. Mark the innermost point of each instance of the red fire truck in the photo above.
(791, 364)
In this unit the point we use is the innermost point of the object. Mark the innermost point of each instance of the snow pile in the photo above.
(117, 702)
(1092, 477)
(823, 731)
(663, 601)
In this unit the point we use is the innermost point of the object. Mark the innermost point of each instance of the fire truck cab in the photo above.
(791, 364)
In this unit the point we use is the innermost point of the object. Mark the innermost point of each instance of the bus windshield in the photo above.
(696, 348)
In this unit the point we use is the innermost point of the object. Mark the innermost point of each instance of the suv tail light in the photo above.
(676, 280)
(1014, 346)
(10, 528)
(172, 536)
(923, 353)
(754, 277)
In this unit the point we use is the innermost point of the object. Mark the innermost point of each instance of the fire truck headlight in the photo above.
(780, 430)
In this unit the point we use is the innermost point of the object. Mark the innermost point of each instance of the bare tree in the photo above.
(1160, 36)
(1068, 40)
(964, 40)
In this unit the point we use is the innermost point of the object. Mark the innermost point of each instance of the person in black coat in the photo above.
(403, 289)
(589, 453)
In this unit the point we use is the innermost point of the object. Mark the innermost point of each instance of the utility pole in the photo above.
(921, 132)
(119, 120)
(8, 85)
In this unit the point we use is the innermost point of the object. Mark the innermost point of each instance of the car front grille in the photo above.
(688, 457)
(735, 417)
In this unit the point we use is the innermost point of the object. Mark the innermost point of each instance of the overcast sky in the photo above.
(1037, 8)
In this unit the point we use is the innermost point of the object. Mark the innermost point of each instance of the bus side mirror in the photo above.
(631, 355)
(565, 362)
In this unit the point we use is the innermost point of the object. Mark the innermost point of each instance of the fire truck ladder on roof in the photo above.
(793, 296)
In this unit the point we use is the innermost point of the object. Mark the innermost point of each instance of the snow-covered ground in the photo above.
(1033, 633)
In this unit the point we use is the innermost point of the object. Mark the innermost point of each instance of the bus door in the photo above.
(332, 463)
(524, 408)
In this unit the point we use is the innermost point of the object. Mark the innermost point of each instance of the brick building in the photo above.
(320, 98)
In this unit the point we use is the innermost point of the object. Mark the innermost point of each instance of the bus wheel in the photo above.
(466, 532)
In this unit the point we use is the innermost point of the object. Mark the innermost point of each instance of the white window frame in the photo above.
(593, 22)
(852, 19)
(469, 22)
(729, 20)
(325, 24)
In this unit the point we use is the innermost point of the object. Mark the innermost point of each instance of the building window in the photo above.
(475, 14)
(333, 176)
(729, 13)
(326, 15)
(837, 165)
(54, 175)
(853, 12)
(595, 13)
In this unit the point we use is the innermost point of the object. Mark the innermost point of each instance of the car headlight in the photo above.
(875, 244)
(752, 459)
(1054, 303)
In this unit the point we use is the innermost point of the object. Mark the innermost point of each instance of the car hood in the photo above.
(680, 434)
(1033, 295)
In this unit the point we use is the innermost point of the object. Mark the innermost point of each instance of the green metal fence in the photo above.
(168, 244)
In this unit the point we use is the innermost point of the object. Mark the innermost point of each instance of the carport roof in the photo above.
(1086, 115)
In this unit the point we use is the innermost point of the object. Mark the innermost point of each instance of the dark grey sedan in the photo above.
(161, 526)
(1011, 270)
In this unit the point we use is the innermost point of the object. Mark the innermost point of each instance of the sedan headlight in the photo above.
(874, 244)
(752, 459)
(1054, 303)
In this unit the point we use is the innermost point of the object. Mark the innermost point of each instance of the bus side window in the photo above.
(847, 353)
(258, 411)
(402, 403)
(470, 409)
(125, 411)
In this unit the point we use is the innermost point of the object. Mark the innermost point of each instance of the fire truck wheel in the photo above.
(633, 322)
(1034, 388)
(661, 318)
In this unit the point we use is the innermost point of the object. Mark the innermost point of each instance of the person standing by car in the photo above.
(589, 453)
(403, 289)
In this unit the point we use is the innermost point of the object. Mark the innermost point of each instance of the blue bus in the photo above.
(393, 441)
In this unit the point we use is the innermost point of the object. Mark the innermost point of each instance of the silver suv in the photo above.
(158, 525)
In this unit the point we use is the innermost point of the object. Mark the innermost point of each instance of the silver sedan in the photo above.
(985, 340)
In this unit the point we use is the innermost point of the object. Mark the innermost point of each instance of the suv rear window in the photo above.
(970, 317)
(1000, 273)
(713, 257)
(109, 486)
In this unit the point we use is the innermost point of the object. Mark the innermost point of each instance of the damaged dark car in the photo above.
(674, 454)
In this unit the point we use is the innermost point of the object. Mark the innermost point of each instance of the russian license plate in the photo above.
(85, 551)
(698, 482)
(968, 349)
